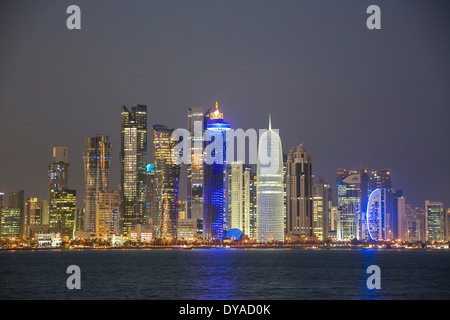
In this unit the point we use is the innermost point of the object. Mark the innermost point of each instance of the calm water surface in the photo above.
(253, 274)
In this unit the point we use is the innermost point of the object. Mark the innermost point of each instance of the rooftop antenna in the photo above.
(270, 121)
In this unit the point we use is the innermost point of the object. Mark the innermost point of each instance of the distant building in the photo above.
(62, 213)
(187, 229)
(240, 200)
(434, 221)
(141, 233)
(299, 195)
(10, 223)
(270, 189)
(376, 215)
(196, 117)
(352, 192)
(167, 175)
(322, 201)
(215, 178)
(97, 167)
(415, 219)
(17, 201)
(107, 213)
(133, 165)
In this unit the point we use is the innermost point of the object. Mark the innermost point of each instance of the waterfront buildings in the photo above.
(241, 205)
(352, 194)
(167, 176)
(107, 213)
(322, 202)
(133, 164)
(197, 120)
(270, 188)
(299, 195)
(434, 221)
(97, 168)
(215, 177)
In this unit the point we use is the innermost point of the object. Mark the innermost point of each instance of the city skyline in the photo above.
(380, 106)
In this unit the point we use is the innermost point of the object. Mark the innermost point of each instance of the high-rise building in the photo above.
(16, 200)
(447, 225)
(240, 192)
(352, 192)
(299, 195)
(58, 170)
(167, 174)
(63, 213)
(434, 221)
(32, 213)
(415, 218)
(10, 223)
(376, 217)
(270, 188)
(133, 167)
(152, 194)
(2, 204)
(402, 223)
(107, 213)
(45, 216)
(97, 164)
(58, 184)
(215, 178)
(197, 121)
(321, 209)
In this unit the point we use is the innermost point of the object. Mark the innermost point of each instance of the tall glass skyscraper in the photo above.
(197, 120)
(167, 175)
(299, 194)
(434, 221)
(97, 164)
(215, 178)
(270, 188)
(133, 163)
(376, 217)
(352, 191)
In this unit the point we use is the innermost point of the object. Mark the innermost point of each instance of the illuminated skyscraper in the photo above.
(152, 194)
(133, 163)
(58, 170)
(321, 209)
(167, 174)
(10, 223)
(299, 195)
(97, 163)
(270, 188)
(107, 213)
(215, 178)
(434, 221)
(240, 197)
(376, 217)
(16, 200)
(197, 120)
(63, 212)
(352, 191)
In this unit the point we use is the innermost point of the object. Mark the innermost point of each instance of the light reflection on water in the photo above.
(216, 274)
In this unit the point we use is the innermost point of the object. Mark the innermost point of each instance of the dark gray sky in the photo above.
(353, 96)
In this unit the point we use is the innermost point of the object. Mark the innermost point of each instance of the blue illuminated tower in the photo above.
(215, 175)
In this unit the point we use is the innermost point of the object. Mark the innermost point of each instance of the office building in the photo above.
(434, 221)
(107, 213)
(197, 120)
(299, 195)
(322, 201)
(215, 178)
(16, 200)
(352, 192)
(270, 188)
(97, 167)
(133, 167)
(167, 175)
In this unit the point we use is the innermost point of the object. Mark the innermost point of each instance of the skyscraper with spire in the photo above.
(215, 177)
(270, 188)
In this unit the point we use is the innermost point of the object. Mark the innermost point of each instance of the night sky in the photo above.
(354, 97)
